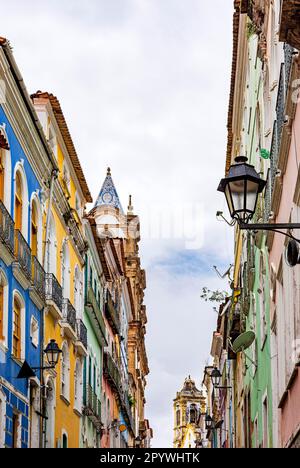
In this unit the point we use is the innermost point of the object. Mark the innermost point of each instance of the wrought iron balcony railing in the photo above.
(280, 107)
(288, 61)
(23, 254)
(93, 403)
(7, 228)
(111, 371)
(112, 313)
(91, 301)
(54, 291)
(82, 333)
(69, 314)
(38, 278)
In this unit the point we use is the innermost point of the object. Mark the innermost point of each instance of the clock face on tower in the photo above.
(107, 198)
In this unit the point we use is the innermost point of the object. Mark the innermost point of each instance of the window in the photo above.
(78, 204)
(34, 331)
(34, 230)
(17, 328)
(52, 248)
(90, 371)
(78, 385)
(66, 181)
(65, 372)
(65, 273)
(2, 174)
(2, 419)
(265, 422)
(193, 414)
(50, 411)
(78, 292)
(52, 141)
(1, 310)
(16, 430)
(18, 202)
(65, 441)
(262, 305)
(178, 417)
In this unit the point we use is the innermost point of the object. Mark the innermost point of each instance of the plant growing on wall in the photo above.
(217, 296)
(131, 401)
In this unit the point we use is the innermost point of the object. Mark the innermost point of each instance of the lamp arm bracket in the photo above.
(43, 368)
(273, 228)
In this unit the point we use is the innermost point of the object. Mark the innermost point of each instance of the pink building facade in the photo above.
(285, 281)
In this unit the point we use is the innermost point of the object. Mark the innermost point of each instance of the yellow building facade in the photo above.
(64, 258)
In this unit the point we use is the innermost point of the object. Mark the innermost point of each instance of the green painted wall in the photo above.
(258, 382)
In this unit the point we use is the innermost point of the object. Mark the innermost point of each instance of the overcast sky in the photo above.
(144, 86)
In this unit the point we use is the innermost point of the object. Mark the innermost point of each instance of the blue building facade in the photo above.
(22, 291)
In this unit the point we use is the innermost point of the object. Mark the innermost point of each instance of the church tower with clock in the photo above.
(189, 404)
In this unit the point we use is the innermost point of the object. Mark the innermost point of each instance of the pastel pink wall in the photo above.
(289, 419)
(105, 440)
(290, 415)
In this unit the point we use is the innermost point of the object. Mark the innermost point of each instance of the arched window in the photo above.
(18, 202)
(21, 202)
(5, 171)
(65, 270)
(2, 174)
(18, 327)
(78, 292)
(65, 441)
(193, 414)
(52, 248)
(2, 418)
(178, 418)
(50, 413)
(78, 385)
(34, 229)
(65, 372)
(3, 307)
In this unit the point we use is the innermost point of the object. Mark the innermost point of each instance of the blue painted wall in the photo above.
(9, 368)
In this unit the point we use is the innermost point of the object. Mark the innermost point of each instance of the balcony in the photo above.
(37, 290)
(82, 340)
(68, 321)
(92, 407)
(54, 296)
(95, 315)
(22, 263)
(127, 413)
(7, 229)
(111, 372)
(289, 23)
(112, 314)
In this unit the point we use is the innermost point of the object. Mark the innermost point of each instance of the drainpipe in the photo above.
(42, 406)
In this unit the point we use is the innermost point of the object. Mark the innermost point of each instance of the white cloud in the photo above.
(144, 86)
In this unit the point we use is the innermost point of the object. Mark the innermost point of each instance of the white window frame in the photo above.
(5, 284)
(2, 418)
(65, 372)
(17, 294)
(7, 172)
(19, 168)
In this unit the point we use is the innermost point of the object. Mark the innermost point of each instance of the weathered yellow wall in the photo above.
(65, 418)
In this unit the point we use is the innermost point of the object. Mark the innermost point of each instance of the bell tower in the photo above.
(189, 404)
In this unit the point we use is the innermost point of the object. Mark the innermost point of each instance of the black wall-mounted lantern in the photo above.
(241, 188)
(52, 352)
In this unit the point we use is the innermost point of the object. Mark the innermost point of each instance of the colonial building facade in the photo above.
(257, 405)
(70, 282)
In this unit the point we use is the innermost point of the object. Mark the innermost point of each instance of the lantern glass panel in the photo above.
(252, 194)
(229, 201)
(237, 189)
